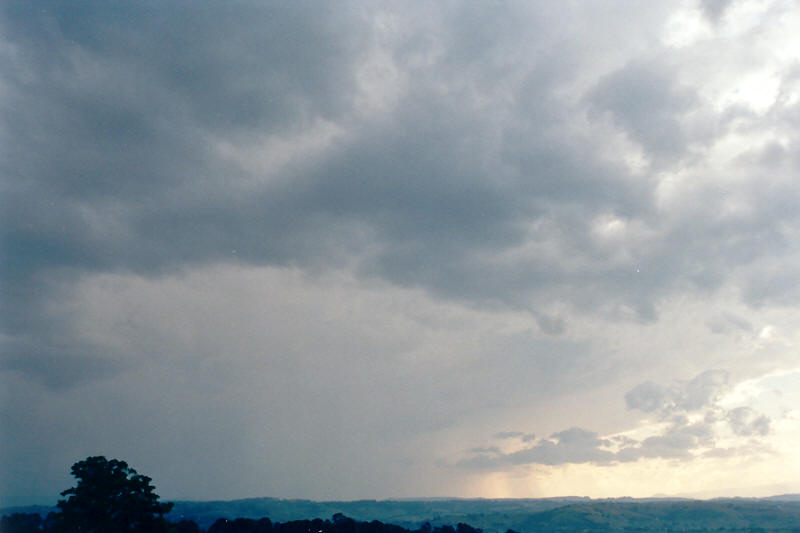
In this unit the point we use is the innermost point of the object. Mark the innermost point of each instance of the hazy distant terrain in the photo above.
(494, 515)
(779, 513)
(526, 515)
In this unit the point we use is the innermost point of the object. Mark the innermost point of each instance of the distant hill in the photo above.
(41, 510)
(692, 515)
(525, 515)
(775, 514)
(490, 515)
(785, 498)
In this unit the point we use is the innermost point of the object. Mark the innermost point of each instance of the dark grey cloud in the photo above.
(746, 421)
(112, 117)
(108, 117)
(680, 441)
(715, 9)
(509, 435)
(648, 103)
(648, 397)
(727, 322)
(147, 164)
(574, 445)
(466, 151)
(485, 450)
(524, 437)
(686, 396)
(56, 365)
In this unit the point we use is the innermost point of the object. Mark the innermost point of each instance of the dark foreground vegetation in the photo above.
(111, 497)
(31, 522)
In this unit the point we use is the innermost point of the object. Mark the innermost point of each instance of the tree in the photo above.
(110, 497)
(21, 523)
(186, 526)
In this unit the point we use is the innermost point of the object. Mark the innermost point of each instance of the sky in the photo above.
(357, 249)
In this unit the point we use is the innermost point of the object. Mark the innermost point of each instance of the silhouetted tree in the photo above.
(263, 525)
(21, 523)
(219, 526)
(110, 497)
(446, 528)
(466, 528)
(343, 524)
(185, 526)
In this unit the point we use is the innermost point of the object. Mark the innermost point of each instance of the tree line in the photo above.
(111, 497)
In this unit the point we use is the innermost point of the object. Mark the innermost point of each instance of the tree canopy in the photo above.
(110, 497)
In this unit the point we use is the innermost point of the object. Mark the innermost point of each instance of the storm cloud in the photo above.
(357, 234)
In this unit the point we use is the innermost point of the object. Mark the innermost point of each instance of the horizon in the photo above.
(732, 495)
(773, 497)
(348, 250)
(476, 514)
